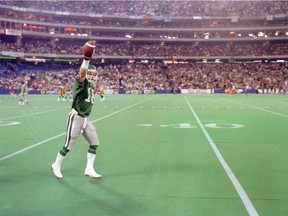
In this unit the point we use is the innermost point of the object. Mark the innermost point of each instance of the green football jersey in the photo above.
(83, 97)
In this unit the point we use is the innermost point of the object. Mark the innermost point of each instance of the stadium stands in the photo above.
(167, 45)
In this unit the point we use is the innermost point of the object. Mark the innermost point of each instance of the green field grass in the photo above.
(172, 155)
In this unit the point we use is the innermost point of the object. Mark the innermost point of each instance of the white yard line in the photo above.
(241, 192)
(62, 134)
(32, 146)
(261, 109)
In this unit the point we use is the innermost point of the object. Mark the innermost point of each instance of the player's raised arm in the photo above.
(88, 50)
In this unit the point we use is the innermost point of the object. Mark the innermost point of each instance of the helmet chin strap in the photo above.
(92, 82)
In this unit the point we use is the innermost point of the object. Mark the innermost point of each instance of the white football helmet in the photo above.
(92, 74)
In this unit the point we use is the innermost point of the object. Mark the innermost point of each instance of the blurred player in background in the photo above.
(26, 94)
(61, 93)
(23, 93)
(68, 93)
(78, 119)
(12, 91)
(101, 93)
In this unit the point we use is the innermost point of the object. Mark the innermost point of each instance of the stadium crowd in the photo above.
(140, 15)
(157, 76)
(144, 49)
(46, 77)
(160, 8)
(138, 22)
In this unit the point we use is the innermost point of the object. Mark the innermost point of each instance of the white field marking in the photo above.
(180, 125)
(8, 123)
(36, 113)
(241, 192)
(264, 110)
(144, 125)
(32, 146)
(62, 134)
(224, 125)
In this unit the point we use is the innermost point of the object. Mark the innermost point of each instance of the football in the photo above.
(89, 48)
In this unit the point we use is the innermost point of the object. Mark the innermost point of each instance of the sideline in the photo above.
(241, 192)
(62, 134)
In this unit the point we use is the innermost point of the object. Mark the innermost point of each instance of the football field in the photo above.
(159, 155)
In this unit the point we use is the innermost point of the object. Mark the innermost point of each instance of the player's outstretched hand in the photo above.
(89, 49)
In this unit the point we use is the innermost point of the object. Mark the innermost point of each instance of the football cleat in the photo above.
(92, 173)
(56, 170)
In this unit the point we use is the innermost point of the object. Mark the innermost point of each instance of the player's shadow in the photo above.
(118, 202)
(165, 169)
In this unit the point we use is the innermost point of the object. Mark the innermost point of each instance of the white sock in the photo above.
(90, 160)
(59, 159)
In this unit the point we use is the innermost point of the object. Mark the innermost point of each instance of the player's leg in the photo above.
(60, 97)
(64, 96)
(25, 100)
(70, 96)
(91, 136)
(74, 124)
(20, 99)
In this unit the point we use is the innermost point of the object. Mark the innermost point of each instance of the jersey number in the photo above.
(90, 98)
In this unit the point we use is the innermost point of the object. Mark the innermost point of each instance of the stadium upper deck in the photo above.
(241, 29)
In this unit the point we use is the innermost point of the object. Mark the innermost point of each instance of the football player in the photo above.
(12, 91)
(61, 93)
(68, 93)
(78, 119)
(102, 93)
(23, 93)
